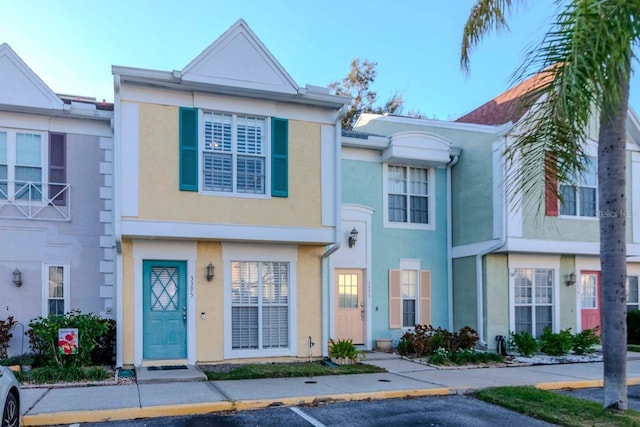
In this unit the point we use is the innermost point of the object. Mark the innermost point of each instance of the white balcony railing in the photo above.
(35, 200)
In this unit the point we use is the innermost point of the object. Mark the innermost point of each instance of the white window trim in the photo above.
(385, 200)
(265, 253)
(267, 155)
(414, 265)
(543, 262)
(66, 287)
(11, 164)
(591, 150)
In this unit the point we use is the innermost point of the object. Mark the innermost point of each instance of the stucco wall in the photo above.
(464, 292)
(161, 200)
(496, 298)
(362, 185)
(210, 330)
(28, 244)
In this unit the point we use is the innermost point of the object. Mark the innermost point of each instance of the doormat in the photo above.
(166, 368)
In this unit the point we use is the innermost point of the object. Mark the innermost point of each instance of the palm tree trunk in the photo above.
(612, 214)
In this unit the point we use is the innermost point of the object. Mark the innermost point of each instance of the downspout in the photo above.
(117, 226)
(454, 160)
(338, 233)
(479, 273)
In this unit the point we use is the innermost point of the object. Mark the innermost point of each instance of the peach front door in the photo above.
(349, 305)
(590, 299)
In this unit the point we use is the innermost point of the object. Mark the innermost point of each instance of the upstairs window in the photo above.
(408, 195)
(235, 154)
(21, 159)
(580, 197)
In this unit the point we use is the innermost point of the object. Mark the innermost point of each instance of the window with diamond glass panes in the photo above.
(164, 289)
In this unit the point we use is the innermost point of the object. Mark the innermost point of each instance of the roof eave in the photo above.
(173, 81)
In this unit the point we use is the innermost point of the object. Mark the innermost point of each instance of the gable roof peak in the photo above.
(20, 86)
(238, 58)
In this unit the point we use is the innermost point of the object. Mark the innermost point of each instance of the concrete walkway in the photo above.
(47, 406)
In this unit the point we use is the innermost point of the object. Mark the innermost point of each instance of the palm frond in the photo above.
(588, 41)
(486, 15)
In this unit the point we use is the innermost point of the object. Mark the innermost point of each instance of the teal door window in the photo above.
(165, 310)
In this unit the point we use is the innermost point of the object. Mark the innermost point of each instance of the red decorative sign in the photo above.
(68, 341)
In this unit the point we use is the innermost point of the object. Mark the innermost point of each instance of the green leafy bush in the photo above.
(584, 341)
(633, 327)
(405, 345)
(470, 356)
(54, 374)
(5, 335)
(23, 359)
(525, 343)
(43, 338)
(344, 348)
(439, 356)
(556, 343)
(104, 352)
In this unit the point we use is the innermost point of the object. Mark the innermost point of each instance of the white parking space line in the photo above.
(307, 418)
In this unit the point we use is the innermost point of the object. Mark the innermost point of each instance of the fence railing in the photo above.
(48, 201)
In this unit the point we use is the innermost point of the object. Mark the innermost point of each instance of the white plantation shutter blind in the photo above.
(260, 305)
(275, 311)
(395, 300)
(425, 297)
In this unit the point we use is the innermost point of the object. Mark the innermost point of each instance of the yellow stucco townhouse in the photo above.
(226, 181)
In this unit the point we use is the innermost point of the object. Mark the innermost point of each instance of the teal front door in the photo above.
(165, 310)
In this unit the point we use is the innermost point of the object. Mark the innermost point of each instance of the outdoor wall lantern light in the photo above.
(353, 237)
(17, 277)
(210, 270)
(571, 279)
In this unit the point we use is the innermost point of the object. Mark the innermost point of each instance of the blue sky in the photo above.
(72, 44)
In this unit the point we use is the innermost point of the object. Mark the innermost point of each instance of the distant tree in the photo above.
(357, 84)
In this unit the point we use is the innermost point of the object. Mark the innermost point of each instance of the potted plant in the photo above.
(344, 352)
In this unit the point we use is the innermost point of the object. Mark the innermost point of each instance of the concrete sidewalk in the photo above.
(50, 406)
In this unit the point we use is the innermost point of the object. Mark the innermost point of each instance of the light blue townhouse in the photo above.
(391, 271)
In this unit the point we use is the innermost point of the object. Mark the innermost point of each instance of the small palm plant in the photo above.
(344, 348)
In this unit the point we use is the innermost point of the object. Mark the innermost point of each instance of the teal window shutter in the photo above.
(279, 157)
(188, 149)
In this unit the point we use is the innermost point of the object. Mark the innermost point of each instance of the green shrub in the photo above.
(104, 352)
(584, 341)
(556, 344)
(405, 345)
(43, 338)
(5, 335)
(470, 356)
(54, 374)
(633, 327)
(439, 357)
(525, 343)
(344, 348)
(25, 359)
